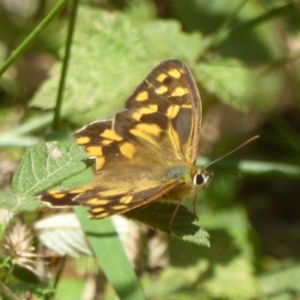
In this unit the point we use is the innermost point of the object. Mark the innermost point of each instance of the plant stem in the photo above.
(223, 31)
(64, 70)
(24, 45)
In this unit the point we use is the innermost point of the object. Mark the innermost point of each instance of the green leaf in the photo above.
(231, 82)
(158, 216)
(231, 256)
(170, 42)
(26, 275)
(254, 45)
(110, 254)
(39, 291)
(106, 68)
(282, 281)
(46, 165)
(19, 203)
(209, 273)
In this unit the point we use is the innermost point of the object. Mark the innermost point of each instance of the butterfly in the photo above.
(146, 152)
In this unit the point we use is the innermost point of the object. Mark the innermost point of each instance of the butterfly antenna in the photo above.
(231, 173)
(230, 152)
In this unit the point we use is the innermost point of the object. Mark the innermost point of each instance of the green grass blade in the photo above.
(110, 254)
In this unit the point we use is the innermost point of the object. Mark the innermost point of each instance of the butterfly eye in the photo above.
(202, 178)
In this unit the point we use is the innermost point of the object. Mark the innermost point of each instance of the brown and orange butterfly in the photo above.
(147, 151)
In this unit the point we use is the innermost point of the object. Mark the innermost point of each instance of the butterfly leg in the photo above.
(173, 216)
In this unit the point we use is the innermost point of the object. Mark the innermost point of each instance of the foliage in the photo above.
(244, 58)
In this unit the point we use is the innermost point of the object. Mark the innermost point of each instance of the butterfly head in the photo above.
(193, 177)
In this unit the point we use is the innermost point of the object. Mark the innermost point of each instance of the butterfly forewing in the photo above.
(134, 152)
(164, 114)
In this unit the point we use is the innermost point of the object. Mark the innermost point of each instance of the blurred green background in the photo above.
(244, 56)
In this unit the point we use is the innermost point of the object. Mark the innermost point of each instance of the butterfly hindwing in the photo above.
(102, 203)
